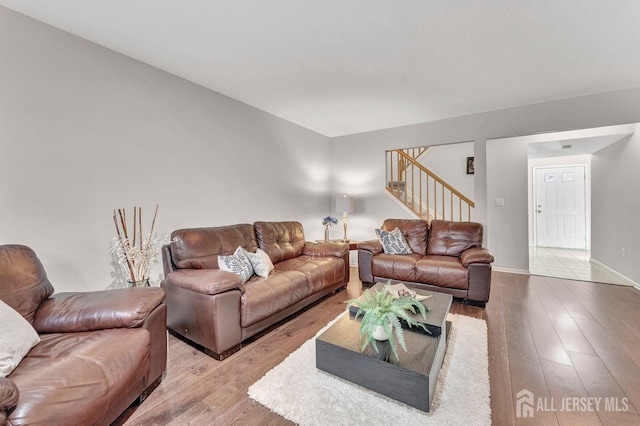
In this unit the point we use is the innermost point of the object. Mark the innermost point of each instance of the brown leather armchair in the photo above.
(447, 257)
(98, 353)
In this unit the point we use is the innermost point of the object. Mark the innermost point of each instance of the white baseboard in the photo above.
(511, 271)
(616, 273)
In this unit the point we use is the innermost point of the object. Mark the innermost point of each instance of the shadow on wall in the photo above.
(118, 276)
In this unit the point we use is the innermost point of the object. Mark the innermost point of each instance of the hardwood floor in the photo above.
(556, 338)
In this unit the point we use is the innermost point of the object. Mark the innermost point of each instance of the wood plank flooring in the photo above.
(554, 337)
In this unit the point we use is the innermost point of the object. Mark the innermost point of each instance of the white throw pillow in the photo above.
(260, 261)
(238, 263)
(393, 242)
(17, 337)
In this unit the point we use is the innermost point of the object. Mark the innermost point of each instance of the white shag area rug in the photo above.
(299, 392)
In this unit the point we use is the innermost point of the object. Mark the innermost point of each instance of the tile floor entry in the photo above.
(570, 264)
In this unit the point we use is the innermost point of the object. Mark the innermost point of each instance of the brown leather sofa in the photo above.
(215, 310)
(98, 353)
(447, 257)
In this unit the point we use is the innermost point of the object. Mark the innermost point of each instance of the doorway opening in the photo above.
(560, 205)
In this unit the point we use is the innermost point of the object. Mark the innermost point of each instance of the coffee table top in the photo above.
(438, 306)
(421, 348)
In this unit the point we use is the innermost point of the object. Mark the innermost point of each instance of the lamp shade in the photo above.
(344, 204)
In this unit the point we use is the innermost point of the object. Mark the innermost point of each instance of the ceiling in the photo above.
(568, 147)
(348, 66)
(575, 142)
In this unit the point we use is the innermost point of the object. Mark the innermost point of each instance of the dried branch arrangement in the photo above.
(136, 251)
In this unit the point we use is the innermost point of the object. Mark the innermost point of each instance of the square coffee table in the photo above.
(411, 379)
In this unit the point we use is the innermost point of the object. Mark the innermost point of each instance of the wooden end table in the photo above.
(353, 245)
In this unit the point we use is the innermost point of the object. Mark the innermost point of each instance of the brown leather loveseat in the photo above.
(98, 352)
(214, 309)
(447, 257)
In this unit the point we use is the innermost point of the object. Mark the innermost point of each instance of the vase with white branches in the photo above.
(137, 252)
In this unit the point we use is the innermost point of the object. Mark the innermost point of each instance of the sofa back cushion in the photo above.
(452, 238)
(414, 230)
(281, 240)
(199, 248)
(23, 282)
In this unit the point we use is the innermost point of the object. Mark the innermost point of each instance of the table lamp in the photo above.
(344, 205)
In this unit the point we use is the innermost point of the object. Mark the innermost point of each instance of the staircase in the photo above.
(422, 192)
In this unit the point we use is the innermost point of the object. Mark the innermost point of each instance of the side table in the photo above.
(353, 245)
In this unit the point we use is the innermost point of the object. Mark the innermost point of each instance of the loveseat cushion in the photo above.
(372, 246)
(325, 249)
(24, 282)
(99, 368)
(264, 297)
(452, 238)
(97, 310)
(320, 272)
(204, 281)
(476, 255)
(9, 395)
(414, 231)
(199, 248)
(399, 267)
(442, 271)
(281, 240)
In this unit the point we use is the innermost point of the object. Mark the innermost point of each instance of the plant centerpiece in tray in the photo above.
(136, 251)
(328, 222)
(381, 313)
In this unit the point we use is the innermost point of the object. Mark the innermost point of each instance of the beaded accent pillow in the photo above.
(260, 261)
(238, 263)
(393, 242)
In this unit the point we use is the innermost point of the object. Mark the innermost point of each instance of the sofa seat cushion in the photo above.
(77, 378)
(321, 272)
(400, 267)
(264, 297)
(442, 271)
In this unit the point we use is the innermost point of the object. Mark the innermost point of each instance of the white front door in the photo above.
(560, 207)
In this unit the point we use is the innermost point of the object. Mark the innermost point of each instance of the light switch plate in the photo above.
(500, 202)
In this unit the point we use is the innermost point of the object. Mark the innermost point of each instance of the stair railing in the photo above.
(414, 153)
(426, 194)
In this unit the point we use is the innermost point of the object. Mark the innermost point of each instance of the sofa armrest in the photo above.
(97, 310)
(325, 249)
(372, 246)
(8, 398)
(476, 255)
(205, 281)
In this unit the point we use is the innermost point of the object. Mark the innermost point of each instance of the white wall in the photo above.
(79, 124)
(507, 179)
(450, 163)
(614, 216)
(84, 130)
(358, 163)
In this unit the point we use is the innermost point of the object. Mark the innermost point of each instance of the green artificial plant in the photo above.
(382, 308)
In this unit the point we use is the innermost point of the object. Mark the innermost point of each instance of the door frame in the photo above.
(587, 204)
